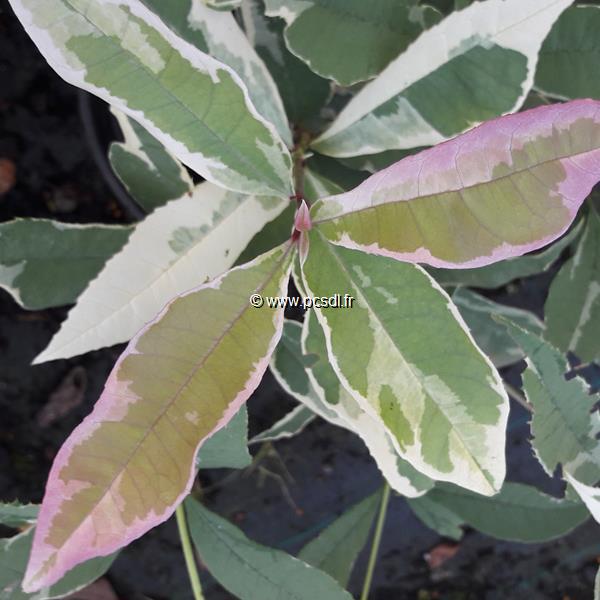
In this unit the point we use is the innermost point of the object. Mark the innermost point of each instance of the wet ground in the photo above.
(304, 483)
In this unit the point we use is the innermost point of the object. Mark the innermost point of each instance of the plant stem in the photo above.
(376, 541)
(188, 553)
(298, 165)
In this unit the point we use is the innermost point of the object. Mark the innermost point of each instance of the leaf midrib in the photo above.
(459, 190)
(197, 366)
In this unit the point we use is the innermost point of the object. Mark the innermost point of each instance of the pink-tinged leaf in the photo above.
(182, 378)
(505, 188)
(302, 221)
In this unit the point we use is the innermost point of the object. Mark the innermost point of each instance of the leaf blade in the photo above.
(498, 274)
(290, 73)
(518, 513)
(533, 168)
(14, 514)
(563, 424)
(590, 495)
(380, 358)
(300, 365)
(491, 336)
(251, 571)
(437, 517)
(145, 430)
(569, 54)
(228, 447)
(288, 426)
(48, 263)
(400, 474)
(347, 40)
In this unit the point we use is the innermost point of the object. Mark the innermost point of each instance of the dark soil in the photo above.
(305, 483)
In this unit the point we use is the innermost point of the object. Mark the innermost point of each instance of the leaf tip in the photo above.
(42, 357)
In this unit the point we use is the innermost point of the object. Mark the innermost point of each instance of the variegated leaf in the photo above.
(149, 172)
(564, 424)
(573, 305)
(481, 61)
(218, 34)
(186, 242)
(325, 397)
(297, 276)
(127, 466)
(197, 106)
(303, 92)
(348, 40)
(568, 62)
(46, 263)
(288, 365)
(449, 426)
(289, 370)
(491, 336)
(510, 186)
